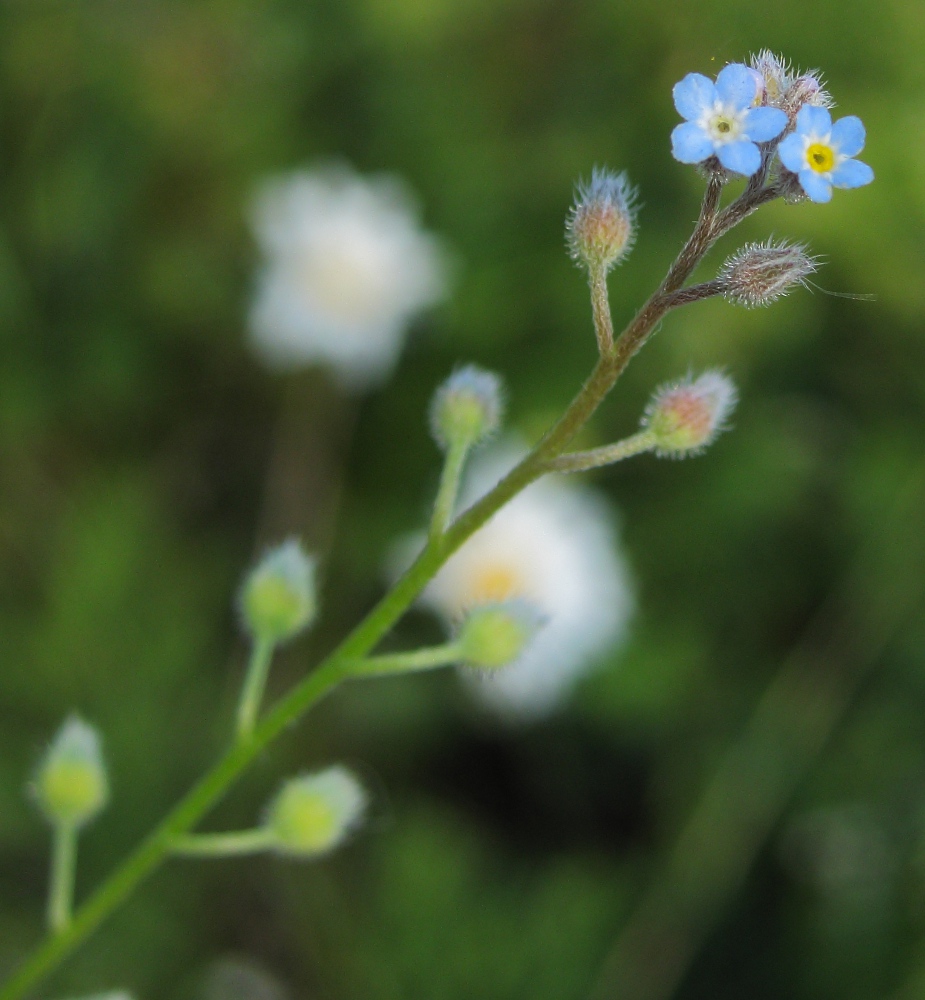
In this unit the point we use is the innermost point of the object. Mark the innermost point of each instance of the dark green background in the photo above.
(145, 457)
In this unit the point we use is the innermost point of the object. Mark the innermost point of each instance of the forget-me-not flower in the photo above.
(722, 120)
(821, 154)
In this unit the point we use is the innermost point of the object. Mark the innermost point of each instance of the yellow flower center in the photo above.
(496, 583)
(820, 158)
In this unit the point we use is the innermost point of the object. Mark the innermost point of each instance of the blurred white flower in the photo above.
(345, 268)
(555, 546)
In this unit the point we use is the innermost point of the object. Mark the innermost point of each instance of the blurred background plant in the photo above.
(147, 456)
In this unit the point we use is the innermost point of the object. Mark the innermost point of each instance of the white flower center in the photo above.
(723, 123)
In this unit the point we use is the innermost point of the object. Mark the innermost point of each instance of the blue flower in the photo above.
(821, 154)
(722, 121)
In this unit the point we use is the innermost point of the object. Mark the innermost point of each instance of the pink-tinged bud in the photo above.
(600, 228)
(760, 273)
(807, 88)
(685, 417)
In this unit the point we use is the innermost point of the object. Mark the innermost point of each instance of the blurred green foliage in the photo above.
(144, 458)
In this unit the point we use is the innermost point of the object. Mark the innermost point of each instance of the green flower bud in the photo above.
(313, 813)
(467, 408)
(494, 635)
(71, 786)
(278, 597)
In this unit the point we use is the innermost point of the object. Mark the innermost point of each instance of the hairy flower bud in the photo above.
(313, 813)
(467, 408)
(494, 635)
(805, 89)
(71, 786)
(685, 417)
(759, 273)
(278, 596)
(600, 228)
(786, 88)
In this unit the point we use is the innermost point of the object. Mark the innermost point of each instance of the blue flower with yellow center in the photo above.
(821, 154)
(722, 121)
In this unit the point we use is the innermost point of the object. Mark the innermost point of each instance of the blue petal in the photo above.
(848, 135)
(690, 144)
(693, 95)
(742, 157)
(792, 153)
(852, 174)
(814, 121)
(736, 85)
(815, 185)
(762, 124)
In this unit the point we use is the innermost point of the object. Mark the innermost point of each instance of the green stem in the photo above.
(63, 873)
(197, 802)
(581, 461)
(445, 503)
(255, 683)
(223, 845)
(406, 663)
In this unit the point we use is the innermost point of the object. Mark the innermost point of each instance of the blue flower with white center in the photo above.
(821, 154)
(722, 120)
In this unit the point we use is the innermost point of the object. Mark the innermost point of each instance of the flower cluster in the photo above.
(750, 113)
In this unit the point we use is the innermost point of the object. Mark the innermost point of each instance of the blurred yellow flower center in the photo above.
(820, 157)
(496, 583)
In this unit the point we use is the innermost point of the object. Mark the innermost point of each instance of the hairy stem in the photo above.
(581, 461)
(600, 309)
(342, 661)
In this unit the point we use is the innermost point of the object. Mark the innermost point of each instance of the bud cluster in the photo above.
(760, 273)
(467, 408)
(781, 86)
(601, 226)
(685, 417)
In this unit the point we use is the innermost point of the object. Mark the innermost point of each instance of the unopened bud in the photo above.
(685, 417)
(494, 635)
(467, 408)
(773, 73)
(806, 88)
(786, 88)
(760, 273)
(278, 596)
(71, 786)
(600, 228)
(313, 813)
